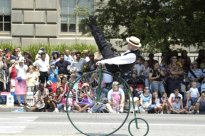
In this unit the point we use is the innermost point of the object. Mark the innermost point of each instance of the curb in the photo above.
(4, 108)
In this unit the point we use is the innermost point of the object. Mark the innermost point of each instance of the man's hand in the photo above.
(100, 62)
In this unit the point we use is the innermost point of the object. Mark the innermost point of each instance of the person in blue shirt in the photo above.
(53, 74)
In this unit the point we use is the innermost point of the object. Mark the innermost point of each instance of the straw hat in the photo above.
(134, 41)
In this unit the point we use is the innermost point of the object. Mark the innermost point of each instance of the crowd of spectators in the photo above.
(174, 85)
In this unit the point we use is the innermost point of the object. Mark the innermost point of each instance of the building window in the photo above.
(72, 13)
(5, 15)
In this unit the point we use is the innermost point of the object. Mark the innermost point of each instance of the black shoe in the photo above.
(92, 20)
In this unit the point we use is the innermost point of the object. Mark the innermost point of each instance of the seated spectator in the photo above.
(135, 95)
(155, 107)
(41, 99)
(174, 95)
(60, 99)
(195, 74)
(166, 106)
(116, 98)
(94, 85)
(177, 106)
(188, 104)
(63, 83)
(87, 98)
(194, 93)
(200, 106)
(145, 100)
(202, 87)
(135, 82)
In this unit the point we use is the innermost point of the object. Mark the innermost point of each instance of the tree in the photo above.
(158, 23)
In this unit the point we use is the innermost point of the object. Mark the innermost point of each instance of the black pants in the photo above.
(43, 77)
(103, 46)
(1, 86)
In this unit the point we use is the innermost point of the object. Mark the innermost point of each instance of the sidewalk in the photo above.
(5, 108)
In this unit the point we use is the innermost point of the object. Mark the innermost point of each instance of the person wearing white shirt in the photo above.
(175, 94)
(114, 64)
(194, 92)
(21, 86)
(38, 56)
(43, 67)
(68, 57)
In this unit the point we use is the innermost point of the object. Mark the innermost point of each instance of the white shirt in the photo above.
(21, 71)
(120, 60)
(139, 69)
(42, 65)
(68, 58)
(38, 56)
(107, 78)
(172, 96)
(194, 92)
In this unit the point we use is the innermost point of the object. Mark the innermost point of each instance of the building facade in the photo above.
(25, 22)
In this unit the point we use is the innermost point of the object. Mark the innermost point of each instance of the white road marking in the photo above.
(13, 128)
(104, 123)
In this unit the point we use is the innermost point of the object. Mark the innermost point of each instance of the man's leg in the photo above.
(103, 45)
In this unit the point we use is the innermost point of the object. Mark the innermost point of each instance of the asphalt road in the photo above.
(57, 124)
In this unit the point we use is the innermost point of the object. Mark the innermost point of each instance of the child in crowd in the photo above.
(188, 104)
(175, 94)
(32, 78)
(145, 100)
(116, 98)
(200, 105)
(194, 92)
(166, 106)
(177, 107)
(86, 97)
(155, 107)
(59, 98)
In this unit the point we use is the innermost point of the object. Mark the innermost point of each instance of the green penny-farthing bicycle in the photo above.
(98, 121)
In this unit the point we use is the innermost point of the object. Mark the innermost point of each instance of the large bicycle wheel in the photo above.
(138, 127)
(96, 121)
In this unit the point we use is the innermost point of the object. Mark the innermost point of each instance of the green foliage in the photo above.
(158, 23)
(33, 49)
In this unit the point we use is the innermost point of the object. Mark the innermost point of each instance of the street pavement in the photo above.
(57, 124)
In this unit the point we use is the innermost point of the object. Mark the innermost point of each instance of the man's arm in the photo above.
(120, 60)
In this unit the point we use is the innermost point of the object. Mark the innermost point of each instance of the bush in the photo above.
(33, 49)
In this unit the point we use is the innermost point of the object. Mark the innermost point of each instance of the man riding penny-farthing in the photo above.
(116, 67)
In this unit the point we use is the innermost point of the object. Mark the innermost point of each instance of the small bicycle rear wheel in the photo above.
(138, 127)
